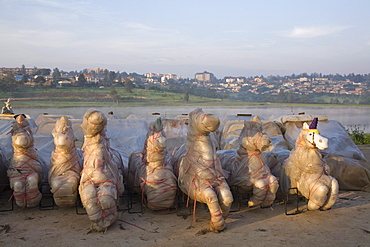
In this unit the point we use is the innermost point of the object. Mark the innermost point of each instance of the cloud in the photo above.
(311, 32)
(138, 26)
(50, 3)
(234, 31)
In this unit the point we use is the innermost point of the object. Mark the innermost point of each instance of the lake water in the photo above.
(348, 116)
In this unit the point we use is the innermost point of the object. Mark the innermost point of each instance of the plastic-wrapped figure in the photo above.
(25, 170)
(306, 170)
(101, 182)
(200, 174)
(7, 109)
(65, 165)
(246, 166)
(151, 172)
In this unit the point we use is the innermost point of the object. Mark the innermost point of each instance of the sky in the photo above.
(226, 38)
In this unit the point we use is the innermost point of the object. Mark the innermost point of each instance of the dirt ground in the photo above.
(346, 224)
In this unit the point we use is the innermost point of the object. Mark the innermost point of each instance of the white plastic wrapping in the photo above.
(101, 182)
(150, 171)
(306, 171)
(126, 136)
(65, 165)
(25, 170)
(200, 174)
(346, 161)
(246, 167)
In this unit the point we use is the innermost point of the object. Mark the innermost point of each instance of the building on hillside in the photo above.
(205, 77)
(91, 79)
(151, 75)
(96, 71)
(17, 70)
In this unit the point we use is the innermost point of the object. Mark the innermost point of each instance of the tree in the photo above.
(226, 95)
(56, 76)
(9, 83)
(39, 80)
(304, 98)
(23, 70)
(186, 97)
(290, 97)
(128, 84)
(105, 74)
(281, 96)
(119, 78)
(43, 72)
(114, 94)
(111, 76)
(81, 80)
(25, 78)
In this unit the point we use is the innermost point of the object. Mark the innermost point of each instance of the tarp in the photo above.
(348, 164)
(346, 161)
(126, 135)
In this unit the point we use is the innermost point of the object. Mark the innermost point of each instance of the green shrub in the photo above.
(358, 135)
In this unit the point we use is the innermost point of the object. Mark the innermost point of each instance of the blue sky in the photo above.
(227, 38)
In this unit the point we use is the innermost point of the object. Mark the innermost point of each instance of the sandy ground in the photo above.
(346, 224)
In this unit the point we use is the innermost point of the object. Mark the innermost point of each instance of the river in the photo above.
(347, 116)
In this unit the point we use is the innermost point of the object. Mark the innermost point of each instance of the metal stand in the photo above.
(6, 198)
(239, 197)
(46, 196)
(181, 202)
(296, 194)
(79, 205)
(132, 196)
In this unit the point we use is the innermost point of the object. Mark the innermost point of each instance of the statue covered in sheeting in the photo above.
(306, 170)
(7, 109)
(65, 165)
(200, 174)
(151, 172)
(25, 170)
(101, 183)
(246, 167)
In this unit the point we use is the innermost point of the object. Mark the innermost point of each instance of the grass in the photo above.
(99, 97)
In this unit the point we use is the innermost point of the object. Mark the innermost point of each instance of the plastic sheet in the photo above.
(346, 161)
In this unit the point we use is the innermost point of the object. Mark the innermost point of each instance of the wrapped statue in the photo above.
(101, 182)
(7, 109)
(246, 167)
(200, 174)
(306, 170)
(65, 165)
(25, 170)
(151, 172)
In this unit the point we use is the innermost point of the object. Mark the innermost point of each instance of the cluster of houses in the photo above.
(255, 85)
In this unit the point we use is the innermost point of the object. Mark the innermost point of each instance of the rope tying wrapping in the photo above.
(101, 182)
(24, 172)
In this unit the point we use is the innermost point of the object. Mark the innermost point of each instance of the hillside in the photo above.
(100, 97)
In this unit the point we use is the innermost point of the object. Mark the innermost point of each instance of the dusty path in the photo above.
(346, 224)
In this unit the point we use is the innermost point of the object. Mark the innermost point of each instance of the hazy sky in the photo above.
(227, 38)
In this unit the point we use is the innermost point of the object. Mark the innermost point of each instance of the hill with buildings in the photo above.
(301, 88)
